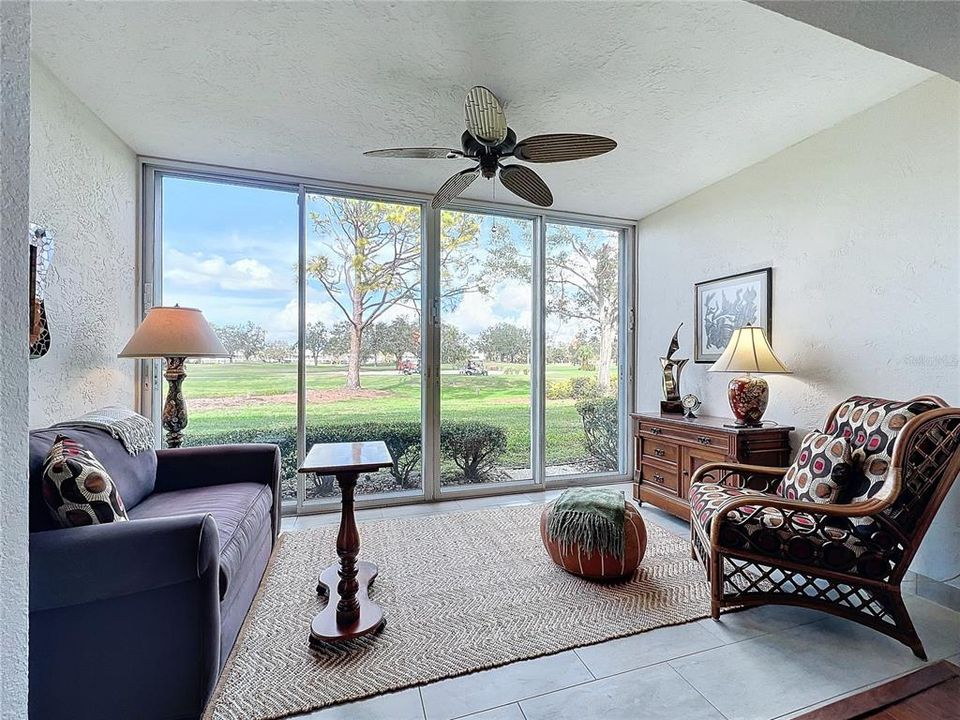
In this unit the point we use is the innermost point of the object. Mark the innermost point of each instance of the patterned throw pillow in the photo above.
(819, 470)
(77, 488)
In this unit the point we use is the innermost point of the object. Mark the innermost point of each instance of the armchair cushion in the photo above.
(821, 466)
(795, 536)
(241, 511)
(77, 488)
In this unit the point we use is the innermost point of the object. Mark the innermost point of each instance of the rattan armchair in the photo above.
(848, 557)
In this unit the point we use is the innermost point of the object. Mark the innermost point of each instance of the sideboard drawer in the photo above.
(692, 435)
(664, 477)
(660, 450)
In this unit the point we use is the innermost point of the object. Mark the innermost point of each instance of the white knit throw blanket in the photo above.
(132, 429)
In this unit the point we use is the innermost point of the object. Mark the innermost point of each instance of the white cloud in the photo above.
(285, 320)
(213, 271)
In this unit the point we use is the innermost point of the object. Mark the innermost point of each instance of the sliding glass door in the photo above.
(363, 321)
(488, 347)
(486, 350)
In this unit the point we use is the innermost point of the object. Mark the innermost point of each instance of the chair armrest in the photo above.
(80, 565)
(720, 471)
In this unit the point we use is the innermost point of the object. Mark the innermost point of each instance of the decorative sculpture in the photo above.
(41, 252)
(671, 377)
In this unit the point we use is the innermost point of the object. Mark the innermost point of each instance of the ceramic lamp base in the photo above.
(748, 397)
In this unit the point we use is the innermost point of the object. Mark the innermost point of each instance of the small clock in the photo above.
(691, 403)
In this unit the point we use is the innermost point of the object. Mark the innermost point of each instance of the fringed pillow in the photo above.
(818, 473)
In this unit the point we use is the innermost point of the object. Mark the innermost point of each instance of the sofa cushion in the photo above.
(241, 510)
(77, 488)
(133, 475)
(819, 470)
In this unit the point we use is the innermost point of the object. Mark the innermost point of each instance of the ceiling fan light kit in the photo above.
(487, 140)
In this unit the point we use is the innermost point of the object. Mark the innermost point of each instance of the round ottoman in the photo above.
(595, 565)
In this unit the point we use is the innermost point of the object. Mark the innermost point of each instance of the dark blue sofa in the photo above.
(136, 619)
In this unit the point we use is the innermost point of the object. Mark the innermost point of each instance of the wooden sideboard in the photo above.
(670, 448)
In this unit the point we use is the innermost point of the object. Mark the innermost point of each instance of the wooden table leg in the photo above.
(349, 612)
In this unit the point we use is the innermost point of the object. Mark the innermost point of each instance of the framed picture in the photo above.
(725, 304)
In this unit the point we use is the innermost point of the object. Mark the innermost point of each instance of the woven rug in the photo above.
(461, 592)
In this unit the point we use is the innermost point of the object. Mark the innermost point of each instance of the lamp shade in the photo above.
(174, 332)
(748, 351)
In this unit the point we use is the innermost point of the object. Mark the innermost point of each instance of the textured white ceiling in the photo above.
(692, 91)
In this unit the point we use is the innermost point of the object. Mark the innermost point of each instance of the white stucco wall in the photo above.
(14, 187)
(861, 226)
(83, 189)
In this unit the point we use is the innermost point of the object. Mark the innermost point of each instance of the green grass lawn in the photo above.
(223, 397)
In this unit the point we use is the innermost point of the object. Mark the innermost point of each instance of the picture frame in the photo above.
(723, 304)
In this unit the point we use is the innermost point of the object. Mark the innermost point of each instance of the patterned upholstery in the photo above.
(793, 536)
(77, 488)
(821, 466)
(871, 426)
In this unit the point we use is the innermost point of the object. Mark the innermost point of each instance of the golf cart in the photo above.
(474, 366)
(409, 364)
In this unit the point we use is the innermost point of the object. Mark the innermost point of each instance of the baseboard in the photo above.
(939, 592)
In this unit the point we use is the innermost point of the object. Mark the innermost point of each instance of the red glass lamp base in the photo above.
(748, 397)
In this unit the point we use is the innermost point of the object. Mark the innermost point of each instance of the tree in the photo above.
(338, 340)
(581, 281)
(276, 351)
(505, 342)
(315, 340)
(230, 336)
(454, 345)
(400, 336)
(371, 262)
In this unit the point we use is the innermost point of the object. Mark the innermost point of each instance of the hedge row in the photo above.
(474, 447)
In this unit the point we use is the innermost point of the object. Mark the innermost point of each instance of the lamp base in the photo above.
(174, 416)
(748, 397)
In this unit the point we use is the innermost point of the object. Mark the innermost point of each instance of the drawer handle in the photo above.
(703, 440)
(658, 452)
(656, 431)
(658, 478)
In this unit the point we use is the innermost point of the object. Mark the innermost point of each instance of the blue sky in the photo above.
(231, 251)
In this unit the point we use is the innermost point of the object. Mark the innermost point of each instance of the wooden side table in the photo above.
(349, 612)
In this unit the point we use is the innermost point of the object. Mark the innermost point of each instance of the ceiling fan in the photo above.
(488, 140)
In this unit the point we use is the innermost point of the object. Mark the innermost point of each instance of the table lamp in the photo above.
(748, 352)
(174, 333)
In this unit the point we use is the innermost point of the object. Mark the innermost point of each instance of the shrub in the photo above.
(474, 447)
(601, 429)
(559, 389)
(584, 387)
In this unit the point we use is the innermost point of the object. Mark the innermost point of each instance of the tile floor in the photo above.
(761, 664)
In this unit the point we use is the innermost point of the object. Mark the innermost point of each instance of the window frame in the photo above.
(149, 376)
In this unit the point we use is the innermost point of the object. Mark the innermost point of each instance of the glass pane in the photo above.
(363, 337)
(485, 349)
(582, 423)
(231, 251)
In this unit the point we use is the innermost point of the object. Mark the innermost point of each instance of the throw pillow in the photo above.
(819, 471)
(77, 488)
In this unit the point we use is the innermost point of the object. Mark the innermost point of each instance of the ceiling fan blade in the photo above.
(418, 152)
(484, 116)
(562, 146)
(454, 186)
(525, 183)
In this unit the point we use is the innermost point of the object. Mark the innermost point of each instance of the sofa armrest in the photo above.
(134, 602)
(182, 468)
(80, 565)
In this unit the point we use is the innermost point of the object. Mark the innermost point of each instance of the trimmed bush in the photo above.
(474, 447)
(601, 428)
(584, 387)
(559, 389)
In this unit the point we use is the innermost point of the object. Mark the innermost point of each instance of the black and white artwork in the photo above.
(725, 304)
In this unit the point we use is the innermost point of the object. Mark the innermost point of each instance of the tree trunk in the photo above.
(605, 359)
(353, 363)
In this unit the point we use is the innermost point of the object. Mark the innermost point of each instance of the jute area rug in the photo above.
(461, 592)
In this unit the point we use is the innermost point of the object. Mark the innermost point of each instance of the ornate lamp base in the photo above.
(748, 397)
(174, 417)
